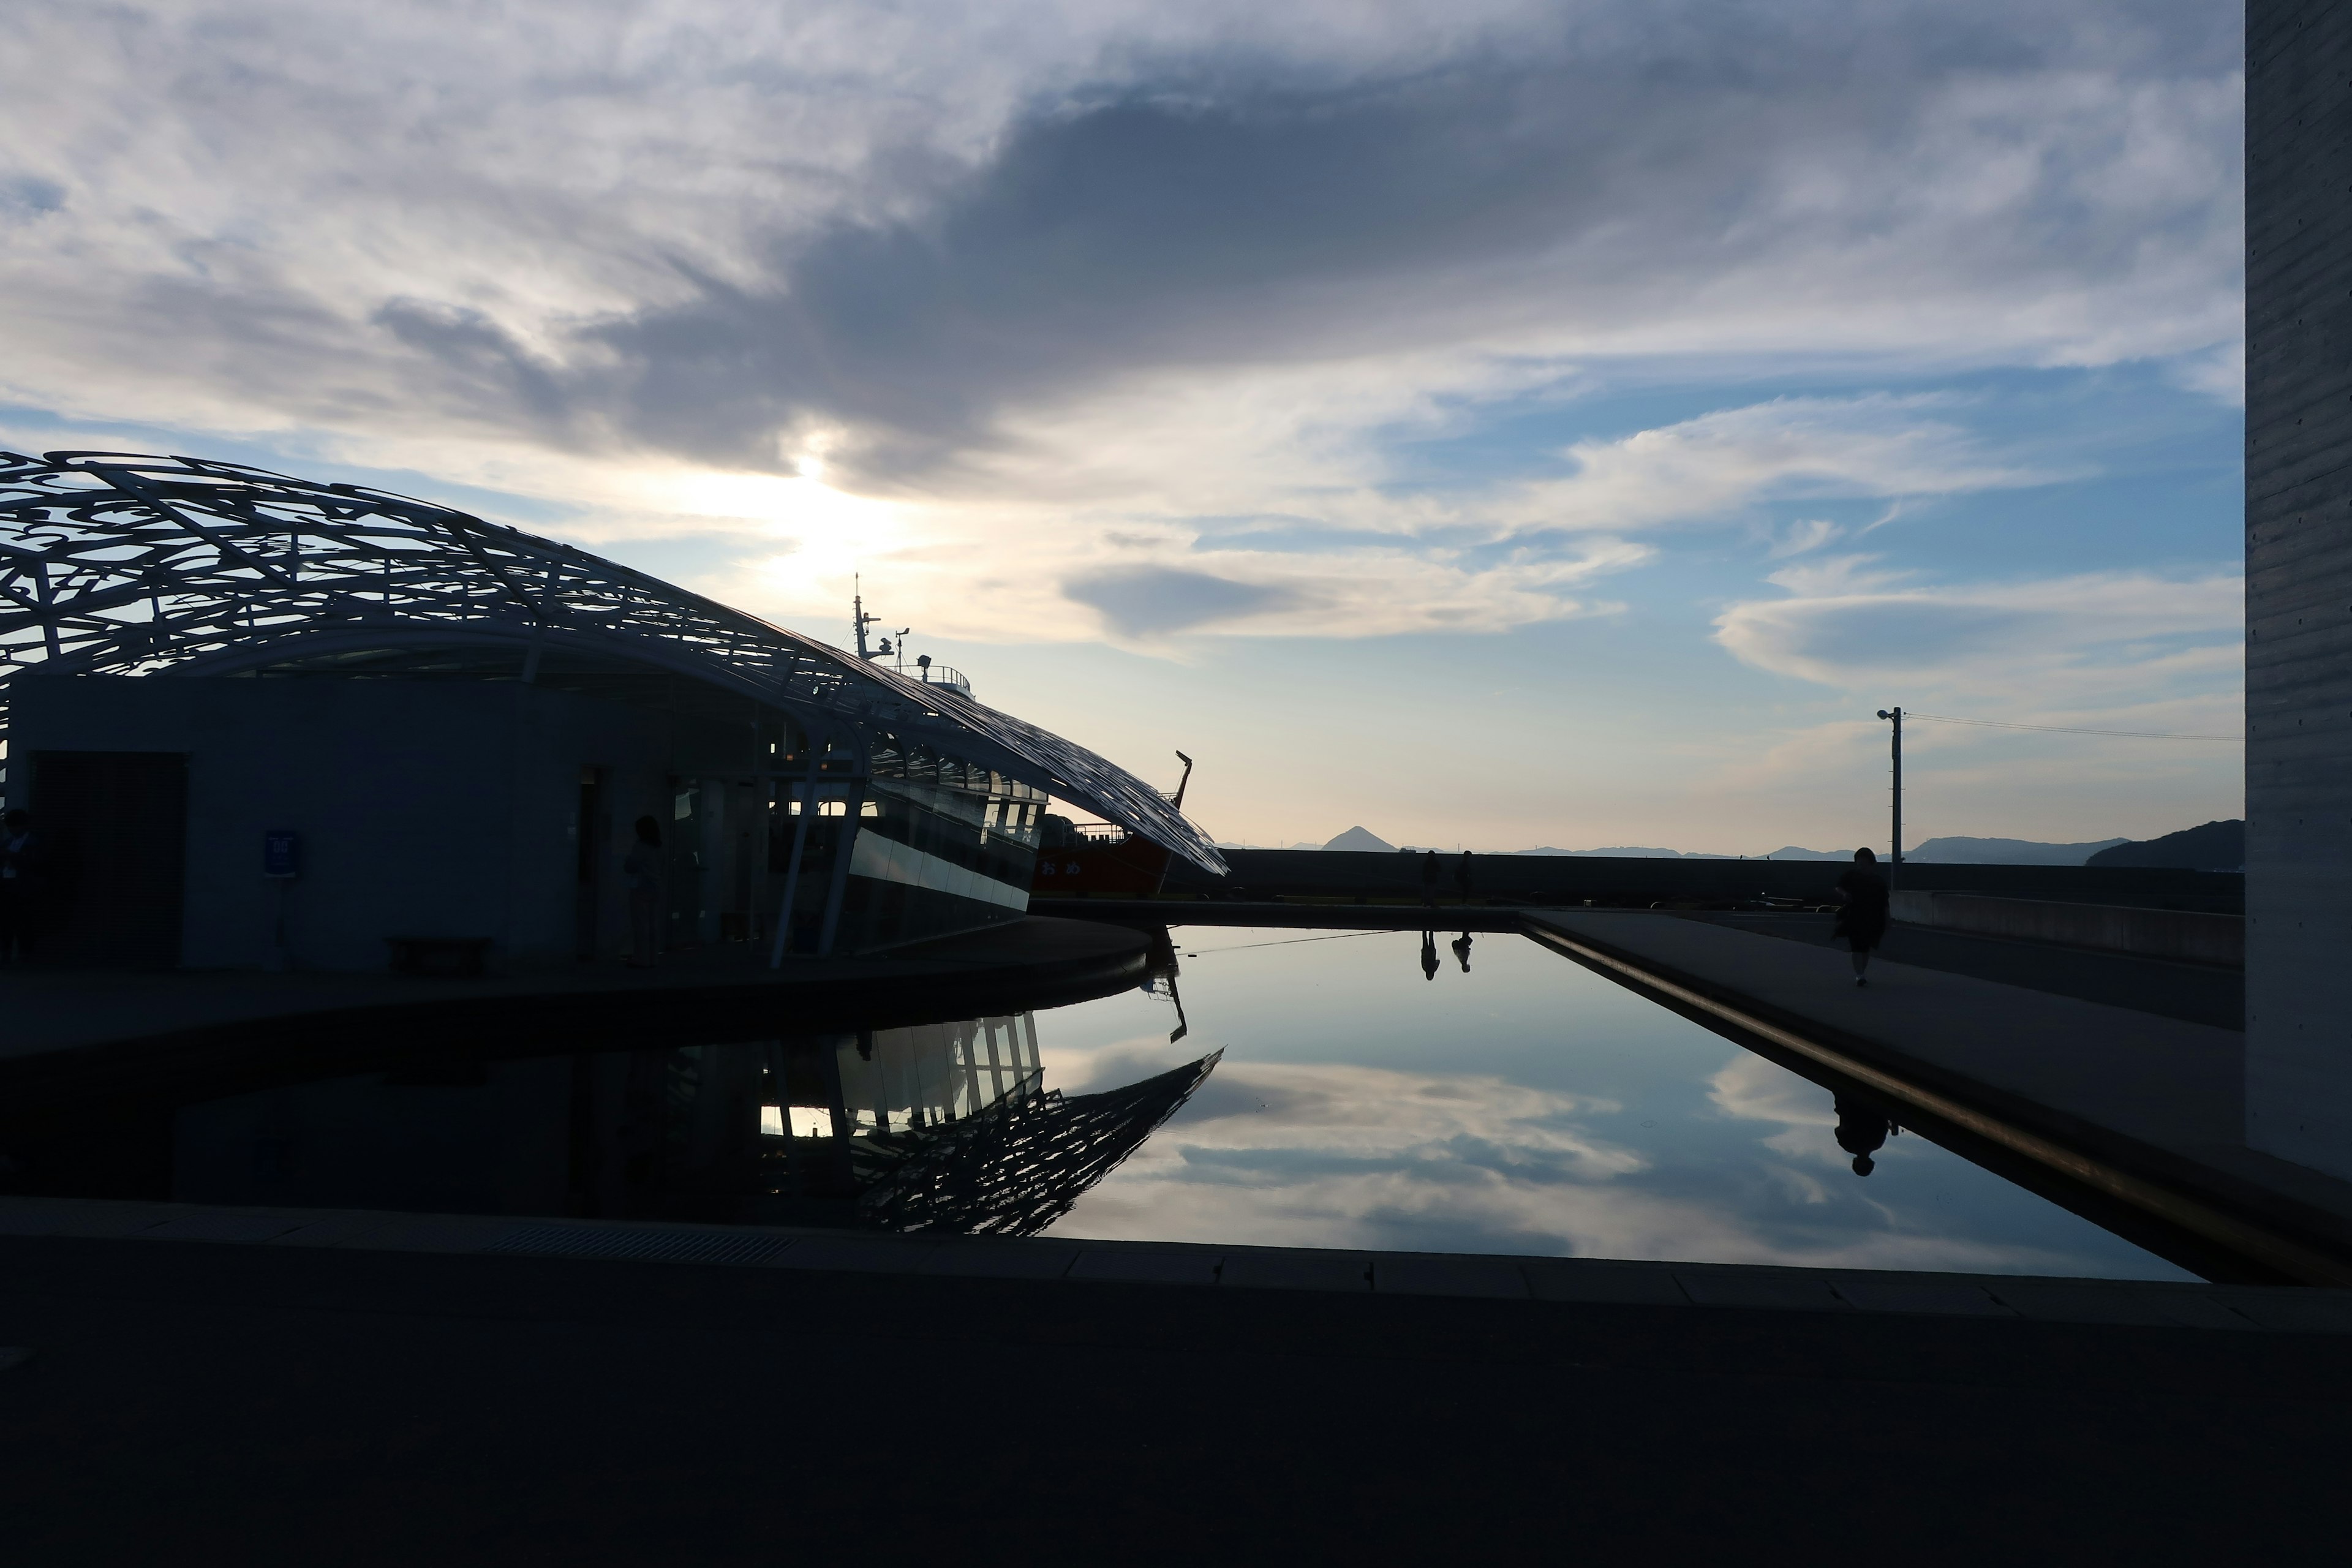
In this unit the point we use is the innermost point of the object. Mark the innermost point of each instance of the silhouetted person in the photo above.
(1462, 875)
(1461, 946)
(641, 874)
(1429, 955)
(1429, 878)
(19, 884)
(1860, 1132)
(1862, 915)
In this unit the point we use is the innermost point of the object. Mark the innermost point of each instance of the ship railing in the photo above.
(939, 675)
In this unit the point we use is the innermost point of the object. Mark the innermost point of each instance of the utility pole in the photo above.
(1896, 714)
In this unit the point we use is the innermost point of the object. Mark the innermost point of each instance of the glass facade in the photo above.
(934, 844)
(937, 1073)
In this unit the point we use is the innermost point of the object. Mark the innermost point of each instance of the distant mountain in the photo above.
(2007, 851)
(2210, 846)
(2215, 845)
(1622, 852)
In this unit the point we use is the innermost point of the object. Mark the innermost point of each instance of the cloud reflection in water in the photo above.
(1533, 1109)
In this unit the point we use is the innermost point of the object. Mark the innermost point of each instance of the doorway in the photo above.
(113, 827)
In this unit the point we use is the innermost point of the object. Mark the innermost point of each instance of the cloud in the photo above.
(1847, 624)
(1799, 537)
(1714, 468)
(1145, 602)
(1336, 1155)
(712, 232)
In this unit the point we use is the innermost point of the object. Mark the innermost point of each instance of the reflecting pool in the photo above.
(1383, 1090)
(1373, 1093)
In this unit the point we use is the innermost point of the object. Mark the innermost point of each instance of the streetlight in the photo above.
(1897, 715)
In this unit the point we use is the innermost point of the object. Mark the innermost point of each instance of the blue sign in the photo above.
(281, 853)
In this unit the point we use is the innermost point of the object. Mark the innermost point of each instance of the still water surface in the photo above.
(1525, 1106)
(1372, 1092)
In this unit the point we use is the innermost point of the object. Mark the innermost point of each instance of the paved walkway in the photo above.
(2193, 993)
(2161, 1098)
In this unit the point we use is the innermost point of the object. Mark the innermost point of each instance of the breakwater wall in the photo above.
(1611, 883)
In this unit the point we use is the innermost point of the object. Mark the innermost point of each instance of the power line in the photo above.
(2067, 729)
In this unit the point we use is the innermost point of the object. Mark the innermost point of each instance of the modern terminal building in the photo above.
(263, 722)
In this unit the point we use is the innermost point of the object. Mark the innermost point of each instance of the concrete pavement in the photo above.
(2110, 1094)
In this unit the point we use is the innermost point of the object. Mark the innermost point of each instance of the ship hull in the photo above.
(1132, 868)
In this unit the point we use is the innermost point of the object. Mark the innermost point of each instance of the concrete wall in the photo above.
(427, 808)
(2181, 934)
(2299, 581)
(1609, 880)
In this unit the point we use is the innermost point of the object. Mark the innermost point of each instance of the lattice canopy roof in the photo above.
(126, 564)
(1020, 1164)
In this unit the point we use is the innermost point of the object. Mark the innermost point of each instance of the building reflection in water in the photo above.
(946, 1126)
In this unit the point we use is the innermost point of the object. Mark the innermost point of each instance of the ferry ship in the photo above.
(1074, 859)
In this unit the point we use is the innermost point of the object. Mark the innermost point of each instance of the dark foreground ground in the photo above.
(185, 1402)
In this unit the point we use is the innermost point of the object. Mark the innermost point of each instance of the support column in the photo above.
(778, 1064)
(2299, 582)
(783, 937)
(710, 850)
(843, 846)
(838, 1107)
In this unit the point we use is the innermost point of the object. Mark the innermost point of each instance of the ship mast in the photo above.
(858, 619)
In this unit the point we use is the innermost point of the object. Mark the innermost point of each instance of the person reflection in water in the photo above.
(1862, 1132)
(1461, 946)
(1429, 955)
(1862, 915)
(641, 873)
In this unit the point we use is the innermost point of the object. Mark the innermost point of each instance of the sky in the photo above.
(1492, 424)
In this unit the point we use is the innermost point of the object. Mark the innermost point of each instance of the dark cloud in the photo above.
(909, 275)
(1155, 601)
(1203, 216)
(496, 371)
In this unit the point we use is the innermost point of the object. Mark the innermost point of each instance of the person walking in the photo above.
(1462, 876)
(19, 884)
(641, 874)
(1862, 912)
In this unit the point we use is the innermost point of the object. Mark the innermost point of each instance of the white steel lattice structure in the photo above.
(124, 564)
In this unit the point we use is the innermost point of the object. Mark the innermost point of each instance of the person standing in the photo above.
(1461, 878)
(1862, 913)
(19, 868)
(1429, 878)
(1861, 1131)
(641, 874)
